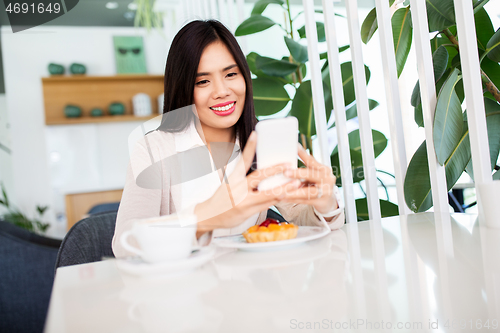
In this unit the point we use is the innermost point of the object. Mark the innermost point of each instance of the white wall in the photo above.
(50, 161)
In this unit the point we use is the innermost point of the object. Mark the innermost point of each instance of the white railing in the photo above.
(473, 98)
(178, 12)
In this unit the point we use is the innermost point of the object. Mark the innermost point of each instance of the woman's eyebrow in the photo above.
(224, 69)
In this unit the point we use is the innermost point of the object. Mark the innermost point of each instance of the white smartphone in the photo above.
(276, 143)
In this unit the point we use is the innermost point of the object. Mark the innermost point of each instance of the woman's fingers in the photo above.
(307, 193)
(308, 160)
(311, 175)
(260, 174)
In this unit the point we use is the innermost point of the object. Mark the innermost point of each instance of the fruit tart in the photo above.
(270, 230)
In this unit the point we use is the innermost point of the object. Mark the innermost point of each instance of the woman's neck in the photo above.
(217, 134)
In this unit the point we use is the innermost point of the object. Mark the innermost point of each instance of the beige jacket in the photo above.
(154, 187)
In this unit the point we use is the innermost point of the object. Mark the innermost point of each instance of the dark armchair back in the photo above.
(26, 276)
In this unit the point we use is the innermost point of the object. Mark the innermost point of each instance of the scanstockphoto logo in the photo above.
(26, 14)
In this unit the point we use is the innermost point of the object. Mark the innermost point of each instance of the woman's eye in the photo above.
(201, 82)
(232, 74)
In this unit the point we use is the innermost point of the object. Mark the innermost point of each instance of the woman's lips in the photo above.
(225, 112)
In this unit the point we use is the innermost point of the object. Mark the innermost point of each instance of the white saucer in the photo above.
(304, 234)
(139, 267)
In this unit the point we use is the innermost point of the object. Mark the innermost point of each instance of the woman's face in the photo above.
(219, 90)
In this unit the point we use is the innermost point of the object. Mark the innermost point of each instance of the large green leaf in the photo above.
(440, 14)
(379, 142)
(261, 5)
(387, 209)
(417, 182)
(440, 62)
(297, 50)
(402, 33)
(492, 110)
(352, 111)
(356, 166)
(302, 109)
(448, 119)
(484, 28)
(254, 24)
(320, 26)
(493, 47)
(417, 186)
(251, 57)
(479, 4)
(324, 55)
(289, 77)
(496, 175)
(370, 24)
(269, 96)
(347, 80)
(492, 69)
(274, 67)
(438, 41)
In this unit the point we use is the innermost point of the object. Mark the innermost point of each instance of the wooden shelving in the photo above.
(89, 92)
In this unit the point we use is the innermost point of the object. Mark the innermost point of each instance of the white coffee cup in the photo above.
(164, 238)
(488, 199)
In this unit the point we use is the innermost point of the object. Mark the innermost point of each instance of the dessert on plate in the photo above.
(270, 230)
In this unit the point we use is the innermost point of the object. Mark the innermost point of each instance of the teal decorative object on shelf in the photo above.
(77, 69)
(72, 111)
(96, 112)
(55, 69)
(116, 109)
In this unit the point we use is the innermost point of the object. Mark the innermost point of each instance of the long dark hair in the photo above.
(180, 75)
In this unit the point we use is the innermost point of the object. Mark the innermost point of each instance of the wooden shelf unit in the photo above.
(89, 92)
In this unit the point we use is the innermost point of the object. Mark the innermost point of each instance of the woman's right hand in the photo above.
(238, 198)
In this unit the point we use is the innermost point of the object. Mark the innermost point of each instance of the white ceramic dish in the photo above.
(304, 234)
(139, 267)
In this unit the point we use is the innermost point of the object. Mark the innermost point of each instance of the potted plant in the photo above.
(270, 95)
(450, 122)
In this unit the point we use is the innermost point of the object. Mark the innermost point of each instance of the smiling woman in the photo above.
(198, 160)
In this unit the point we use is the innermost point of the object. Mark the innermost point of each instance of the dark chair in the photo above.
(104, 208)
(88, 240)
(26, 277)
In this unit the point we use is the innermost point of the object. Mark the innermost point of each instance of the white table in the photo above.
(418, 273)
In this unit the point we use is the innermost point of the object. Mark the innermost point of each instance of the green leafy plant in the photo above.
(16, 217)
(451, 134)
(273, 75)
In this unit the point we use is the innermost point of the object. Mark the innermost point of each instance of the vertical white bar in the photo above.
(187, 9)
(230, 15)
(213, 9)
(205, 10)
(316, 83)
(339, 111)
(240, 4)
(222, 11)
(429, 99)
(365, 131)
(476, 116)
(393, 101)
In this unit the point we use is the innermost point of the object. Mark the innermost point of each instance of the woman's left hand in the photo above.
(317, 186)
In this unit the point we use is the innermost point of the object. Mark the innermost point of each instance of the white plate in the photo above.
(303, 235)
(138, 267)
